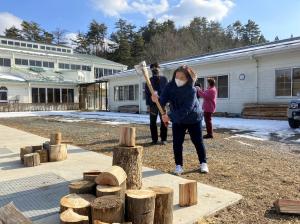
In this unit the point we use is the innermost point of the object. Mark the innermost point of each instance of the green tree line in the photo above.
(156, 41)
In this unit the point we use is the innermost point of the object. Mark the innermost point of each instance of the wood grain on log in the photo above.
(71, 217)
(32, 159)
(127, 136)
(82, 187)
(58, 152)
(113, 176)
(188, 193)
(55, 139)
(24, 151)
(91, 175)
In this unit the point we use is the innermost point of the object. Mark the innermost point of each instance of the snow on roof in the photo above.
(11, 76)
(249, 51)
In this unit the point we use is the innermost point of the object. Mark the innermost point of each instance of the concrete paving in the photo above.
(36, 190)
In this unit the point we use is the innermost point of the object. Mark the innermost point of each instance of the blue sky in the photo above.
(275, 17)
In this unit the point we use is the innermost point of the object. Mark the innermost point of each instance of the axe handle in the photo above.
(146, 75)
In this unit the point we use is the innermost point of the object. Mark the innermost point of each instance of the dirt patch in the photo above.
(261, 171)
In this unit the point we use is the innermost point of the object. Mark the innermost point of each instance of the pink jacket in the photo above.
(209, 99)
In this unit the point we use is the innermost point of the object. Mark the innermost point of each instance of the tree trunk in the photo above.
(103, 190)
(127, 136)
(163, 205)
(55, 139)
(32, 159)
(113, 176)
(140, 206)
(58, 152)
(91, 175)
(44, 156)
(130, 159)
(70, 217)
(80, 203)
(24, 151)
(108, 208)
(82, 187)
(188, 193)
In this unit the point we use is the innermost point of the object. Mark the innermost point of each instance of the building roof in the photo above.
(230, 54)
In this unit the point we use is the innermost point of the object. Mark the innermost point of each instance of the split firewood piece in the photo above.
(32, 159)
(58, 152)
(109, 208)
(113, 176)
(9, 214)
(188, 193)
(140, 206)
(24, 151)
(80, 203)
(130, 159)
(71, 217)
(91, 175)
(82, 187)
(287, 206)
(55, 139)
(37, 147)
(163, 205)
(127, 136)
(103, 190)
(44, 156)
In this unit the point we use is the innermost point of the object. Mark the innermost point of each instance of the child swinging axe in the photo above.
(142, 68)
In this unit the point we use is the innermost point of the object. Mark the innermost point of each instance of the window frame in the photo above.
(3, 92)
(291, 84)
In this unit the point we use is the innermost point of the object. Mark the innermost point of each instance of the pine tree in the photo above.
(96, 37)
(13, 32)
(138, 49)
(82, 43)
(31, 31)
(47, 37)
(123, 53)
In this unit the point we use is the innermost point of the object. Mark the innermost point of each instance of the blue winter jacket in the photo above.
(184, 105)
(158, 84)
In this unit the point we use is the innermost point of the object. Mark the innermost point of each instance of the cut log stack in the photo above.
(24, 151)
(129, 157)
(82, 187)
(287, 206)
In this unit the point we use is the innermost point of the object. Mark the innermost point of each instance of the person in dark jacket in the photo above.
(185, 114)
(159, 83)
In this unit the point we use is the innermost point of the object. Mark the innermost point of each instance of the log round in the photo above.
(130, 159)
(55, 139)
(113, 176)
(80, 203)
(163, 205)
(103, 190)
(140, 206)
(32, 159)
(58, 152)
(82, 187)
(91, 175)
(71, 217)
(127, 136)
(24, 151)
(108, 208)
(44, 156)
(188, 193)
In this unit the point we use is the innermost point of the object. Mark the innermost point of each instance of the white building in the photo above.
(260, 74)
(37, 76)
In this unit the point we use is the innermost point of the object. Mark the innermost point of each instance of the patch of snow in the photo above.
(244, 143)
(11, 77)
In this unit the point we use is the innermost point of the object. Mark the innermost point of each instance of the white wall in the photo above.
(16, 90)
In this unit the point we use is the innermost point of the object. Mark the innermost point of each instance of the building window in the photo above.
(18, 61)
(32, 62)
(53, 49)
(5, 62)
(51, 64)
(45, 64)
(221, 83)
(70, 95)
(10, 43)
(35, 95)
(57, 95)
(98, 72)
(23, 44)
(3, 41)
(48, 48)
(64, 93)
(3, 94)
(50, 95)
(63, 50)
(35, 46)
(68, 51)
(29, 45)
(61, 65)
(38, 63)
(126, 93)
(42, 47)
(24, 62)
(200, 82)
(17, 43)
(287, 82)
(42, 95)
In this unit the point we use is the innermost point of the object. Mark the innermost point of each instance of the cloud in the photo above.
(69, 37)
(186, 10)
(150, 8)
(8, 20)
(111, 7)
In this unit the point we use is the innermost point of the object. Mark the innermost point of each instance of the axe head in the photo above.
(139, 68)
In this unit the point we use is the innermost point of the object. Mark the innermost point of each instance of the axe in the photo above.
(142, 68)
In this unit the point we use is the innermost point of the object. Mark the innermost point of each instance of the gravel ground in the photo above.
(261, 171)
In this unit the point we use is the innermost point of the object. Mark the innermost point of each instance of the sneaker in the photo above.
(154, 143)
(178, 170)
(163, 142)
(208, 136)
(204, 168)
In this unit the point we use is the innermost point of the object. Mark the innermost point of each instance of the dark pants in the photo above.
(208, 123)
(154, 112)
(195, 131)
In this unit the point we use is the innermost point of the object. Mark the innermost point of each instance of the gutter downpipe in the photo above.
(257, 81)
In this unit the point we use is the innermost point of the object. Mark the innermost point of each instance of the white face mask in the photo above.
(179, 82)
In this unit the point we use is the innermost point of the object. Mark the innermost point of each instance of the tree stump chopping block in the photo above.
(24, 151)
(188, 193)
(109, 208)
(103, 190)
(130, 159)
(163, 205)
(140, 206)
(113, 176)
(127, 137)
(58, 152)
(55, 139)
(82, 187)
(44, 155)
(91, 175)
(79, 203)
(70, 217)
(32, 159)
